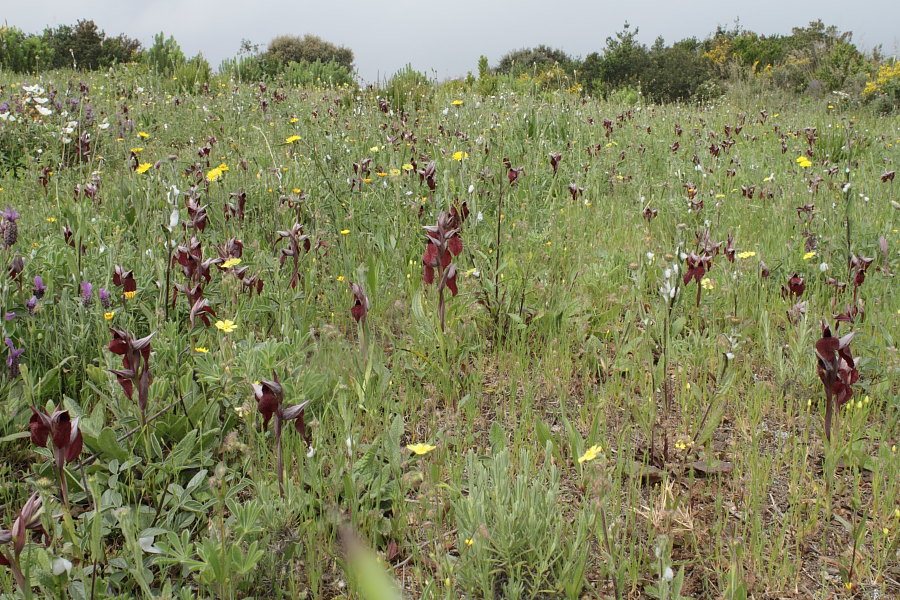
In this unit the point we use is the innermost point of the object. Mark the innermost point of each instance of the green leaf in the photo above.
(107, 444)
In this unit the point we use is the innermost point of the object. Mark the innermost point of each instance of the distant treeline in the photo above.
(815, 60)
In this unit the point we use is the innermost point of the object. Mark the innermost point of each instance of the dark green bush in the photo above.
(286, 49)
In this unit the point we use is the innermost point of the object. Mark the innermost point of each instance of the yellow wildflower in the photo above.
(292, 139)
(707, 283)
(394, 172)
(50, 219)
(143, 167)
(231, 262)
(228, 326)
(340, 278)
(809, 255)
(590, 454)
(457, 103)
(201, 350)
(293, 120)
(804, 162)
(109, 315)
(407, 167)
(459, 155)
(420, 448)
(137, 150)
(143, 134)
(130, 295)
(345, 231)
(746, 254)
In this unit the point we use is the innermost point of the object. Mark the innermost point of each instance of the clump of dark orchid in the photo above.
(12, 361)
(795, 287)
(196, 211)
(269, 397)
(297, 241)
(837, 371)
(427, 175)
(575, 191)
(359, 311)
(249, 283)
(555, 157)
(361, 172)
(190, 257)
(135, 371)
(69, 237)
(87, 294)
(60, 429)
(9, 227)
(443, 242)
(512, 173)
(236, 209)
(28, 519)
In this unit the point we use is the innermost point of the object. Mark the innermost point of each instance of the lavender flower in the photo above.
(39, 287)
(86, 293)
(31, 304)
(9, 227)
(104, 298)
(9, 316)
(12, 361)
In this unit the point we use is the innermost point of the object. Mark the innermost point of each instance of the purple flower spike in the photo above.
(31, 304)
(9, 316)
(10, 214)
(104, 297)
(39, 287)
(86, 293)
(12, 361)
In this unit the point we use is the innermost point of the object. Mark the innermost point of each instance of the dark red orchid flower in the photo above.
(28, 519)
(233, 248)
(16, 266)
(650, 213)
(135, 371)
(574, 191)
(360, 307)
(297, 242)
(555, 157)
(697, 266)
(513, 174)
(729, 248)
(197, 213)
(427, 175)
(795, 287)
(65, 435)
(269, 396)
(236, 209)
(124, 279)
(887, 176)
(443, 242)
(858, 267)
(836, 370)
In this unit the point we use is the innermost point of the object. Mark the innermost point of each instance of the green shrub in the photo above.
(515, 540)
(409, 88)
(23, 53)
(286, 49)
(318, 74)
(533, 60)
(165, 55)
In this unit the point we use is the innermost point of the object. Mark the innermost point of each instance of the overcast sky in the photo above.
(446, 38)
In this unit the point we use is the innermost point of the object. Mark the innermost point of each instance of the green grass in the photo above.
(715, 478)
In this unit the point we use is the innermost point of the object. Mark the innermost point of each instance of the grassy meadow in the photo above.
(578, 421)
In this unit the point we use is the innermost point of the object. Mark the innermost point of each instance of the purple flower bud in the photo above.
(39, 287)
(86, 293)
(9, 316)
(104, 297)
(12, 361)
(31, 304)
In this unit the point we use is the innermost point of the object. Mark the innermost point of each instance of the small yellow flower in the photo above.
(381, 174)
(373, 149)
(590, 454)
(345, 231)
(469, 541)
(130, 295)
(109, 315)
(143, 167)
(143, 134)
(809, 255)
(231, 262)
(228, 326)
(201, 350)
(707, 283)
(804, 162)
(293, 120)
(292, 139)
(50, 219)
(459, 155)
(137, 150)
(340, 278)
(746, 254)
(213, 174)
(420, 448)
(407, 167)
(394, 172)
(720, 195)
(296, 190)
(367, 180)
(457, 103)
